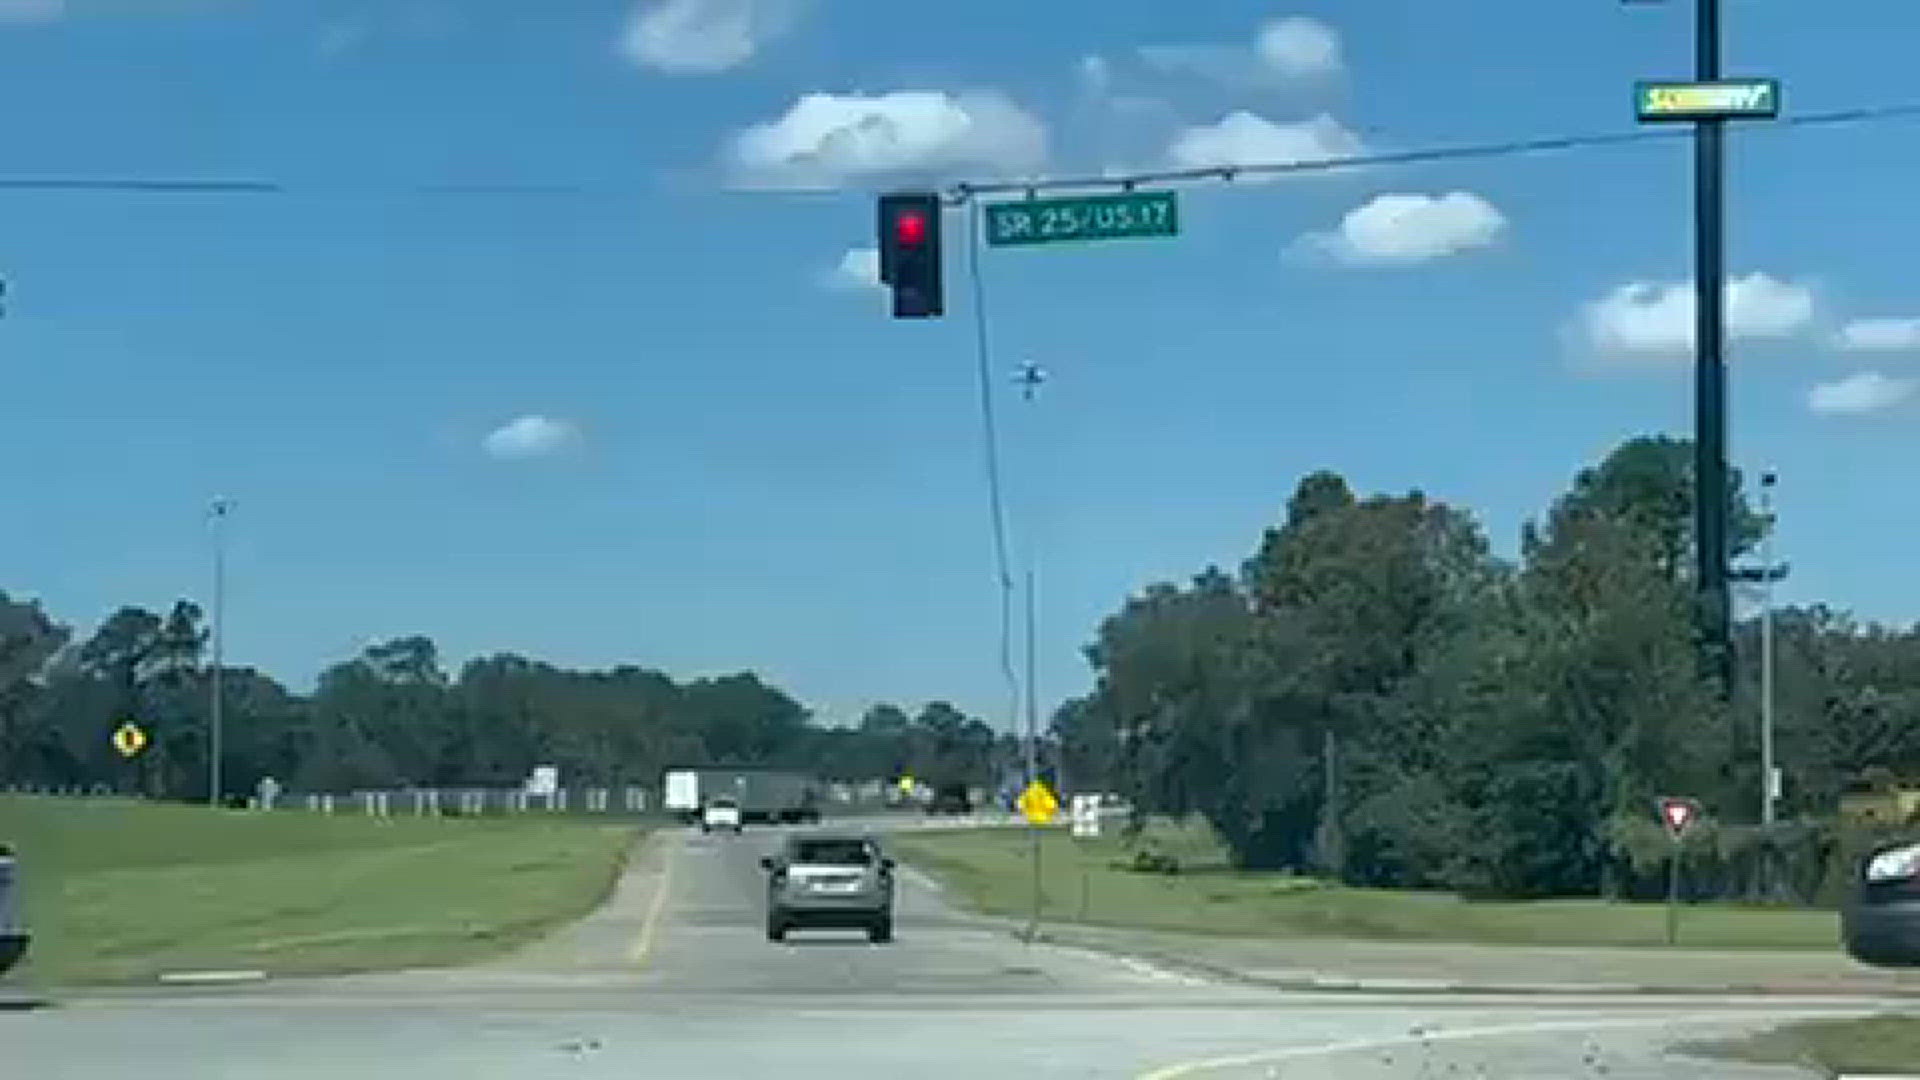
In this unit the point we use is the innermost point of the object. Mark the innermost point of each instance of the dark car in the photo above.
(829, 880)
(950, 799)
(1880, 919)
(13, 936)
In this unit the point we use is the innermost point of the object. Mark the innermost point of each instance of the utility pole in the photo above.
(1029, 378)
(1769, 787)
(218, 518)
(1033, 758)
(1710, 369)
(1765, 575)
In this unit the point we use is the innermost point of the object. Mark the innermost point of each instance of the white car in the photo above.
(721, 813)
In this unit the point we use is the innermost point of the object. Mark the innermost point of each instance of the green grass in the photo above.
(992, 868)
(120, 890)
(1886, 1044)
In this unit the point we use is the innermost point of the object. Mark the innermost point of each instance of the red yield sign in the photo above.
(1678, 814)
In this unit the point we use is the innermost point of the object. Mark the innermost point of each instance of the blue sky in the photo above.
(661, 419)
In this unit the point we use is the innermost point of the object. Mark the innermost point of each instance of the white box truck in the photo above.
(760, 795)
(682, 792)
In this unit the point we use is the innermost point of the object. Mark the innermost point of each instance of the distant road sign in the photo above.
(129, 739)
(1086, 815)
(1092, 217)
(1037, 803)
(1756, 99)
(544, 781)
(1678, 814)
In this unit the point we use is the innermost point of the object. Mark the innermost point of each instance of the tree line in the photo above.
(1374, 695)
(393, 716)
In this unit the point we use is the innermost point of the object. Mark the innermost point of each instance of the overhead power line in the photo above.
(164, 185)
(138, 185)
(961, 192)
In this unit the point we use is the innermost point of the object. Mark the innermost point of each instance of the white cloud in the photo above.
(1299, 47)
(1288, 49)
(702, 37)
(1412, 228)
(858, 269)
(1221, 63)
(1648, 317)
(1866, 392)
(32, 10)
(1880, 335)
(1096, 75)
(530, 436)
(826, 140)
(1243, 138)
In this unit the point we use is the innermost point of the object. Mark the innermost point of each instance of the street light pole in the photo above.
(1769, 791)
(1029, 378)
(218, 515)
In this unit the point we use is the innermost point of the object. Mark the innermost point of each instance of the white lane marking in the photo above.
(661, 886)
(1158, 973)
(201, 977)
(920, 879)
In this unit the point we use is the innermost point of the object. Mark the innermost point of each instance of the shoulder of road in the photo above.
(1327, 964)
(1265, 930)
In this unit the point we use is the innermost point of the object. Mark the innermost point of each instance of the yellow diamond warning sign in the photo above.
(129, 739)
(1037, 803)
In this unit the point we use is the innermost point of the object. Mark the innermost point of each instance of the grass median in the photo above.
(1875, 1045)
(122, 891)
(1082, 880)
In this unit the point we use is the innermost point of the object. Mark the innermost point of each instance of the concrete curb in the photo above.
(1322, 982)
(1064, 935)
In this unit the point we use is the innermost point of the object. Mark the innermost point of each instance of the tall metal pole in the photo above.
(1768, 790)
(215, 707)
(1033, 753)
(1030, 378)
(1710, 372)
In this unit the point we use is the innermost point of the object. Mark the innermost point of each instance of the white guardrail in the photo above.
(468, 802)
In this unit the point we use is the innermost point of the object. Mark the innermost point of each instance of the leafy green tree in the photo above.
(29, 747)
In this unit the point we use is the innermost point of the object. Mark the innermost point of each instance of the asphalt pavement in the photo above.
(674, 978)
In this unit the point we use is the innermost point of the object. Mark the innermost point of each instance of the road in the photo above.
(674, 978)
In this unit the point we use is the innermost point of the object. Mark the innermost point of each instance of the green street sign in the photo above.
(1093, 217)
(1722, 100)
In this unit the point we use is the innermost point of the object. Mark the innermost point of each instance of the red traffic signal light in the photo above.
(910, 228)
(910, 259)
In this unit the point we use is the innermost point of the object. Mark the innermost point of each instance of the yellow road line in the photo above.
(1184, 1070)
(650, 927)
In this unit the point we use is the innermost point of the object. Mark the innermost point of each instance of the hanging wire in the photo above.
(996, 494)
(1511, 148)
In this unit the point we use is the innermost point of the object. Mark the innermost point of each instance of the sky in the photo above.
(646, 406)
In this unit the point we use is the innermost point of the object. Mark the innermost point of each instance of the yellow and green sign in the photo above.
(1720, 100)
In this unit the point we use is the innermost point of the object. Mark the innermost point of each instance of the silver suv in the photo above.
(829, 880)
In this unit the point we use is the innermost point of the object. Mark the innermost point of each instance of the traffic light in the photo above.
(910, 254)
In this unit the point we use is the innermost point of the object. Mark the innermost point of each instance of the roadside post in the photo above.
(1086, 815)
(1678, 814)
(1086, 825)
(1039, 806)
